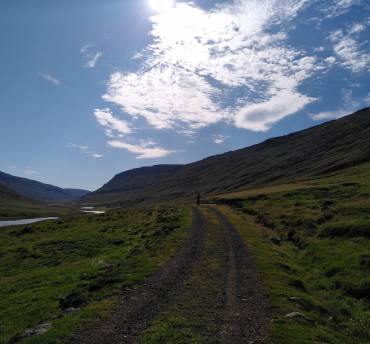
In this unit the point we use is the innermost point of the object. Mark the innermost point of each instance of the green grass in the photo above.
(20, 209)
(80, 261)
(311, 241)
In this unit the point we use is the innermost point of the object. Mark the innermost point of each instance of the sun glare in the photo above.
(161, 5)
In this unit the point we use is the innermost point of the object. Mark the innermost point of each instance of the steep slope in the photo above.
(323, 148)
(39, 191)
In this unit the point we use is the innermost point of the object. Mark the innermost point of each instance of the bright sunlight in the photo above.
(161, 5)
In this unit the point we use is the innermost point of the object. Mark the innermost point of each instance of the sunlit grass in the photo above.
(311, 243)
(85, 260)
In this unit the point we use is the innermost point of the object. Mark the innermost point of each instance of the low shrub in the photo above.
(350, 228)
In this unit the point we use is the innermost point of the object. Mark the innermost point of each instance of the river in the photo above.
(25, 221)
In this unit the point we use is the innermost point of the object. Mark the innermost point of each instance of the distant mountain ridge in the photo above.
(327, 147)
(39, 191)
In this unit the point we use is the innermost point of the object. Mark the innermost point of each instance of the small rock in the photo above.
(38, 330)
(299, 315)
(71, 309)
(275, 241)
(73, 300)
(35, 331)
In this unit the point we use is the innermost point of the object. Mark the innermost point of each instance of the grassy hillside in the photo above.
(62, 273)
(328, 147)
(311, 241)
(15, 206)
(39, 191)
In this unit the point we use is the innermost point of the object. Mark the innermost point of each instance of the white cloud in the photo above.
(330, 60)
(349, 50)
(84, 49)
(93, 59)
(336, 8)
(97, 156)
(199, 57)
(166, 97)
(81, 147)
(260, 116)
(50, 78)
(111, 123)
(351, 105)
(219, 138)
(326, 115)
(356, 28)
(143, 150)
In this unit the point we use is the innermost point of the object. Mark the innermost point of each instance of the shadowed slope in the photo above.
(39, 191)
(331, 146)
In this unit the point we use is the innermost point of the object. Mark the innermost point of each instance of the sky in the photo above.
(91, 88)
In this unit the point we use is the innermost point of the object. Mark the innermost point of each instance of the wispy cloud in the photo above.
(50, 78)
(143, 150)
(351, 104)
(93, 60)
(97, 156)
(85, 149)
(335, 8)
(85, 48)
(219, 138)
(349, 50)
(162, 96)
(111, 123)
(233, 63)
(116, 129)
(91, 56)
(190, 70)
(30, 172)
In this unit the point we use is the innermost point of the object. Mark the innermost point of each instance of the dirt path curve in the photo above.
(246, 309)
(140, 304)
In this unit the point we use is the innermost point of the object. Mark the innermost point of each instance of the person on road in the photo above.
(198, 198)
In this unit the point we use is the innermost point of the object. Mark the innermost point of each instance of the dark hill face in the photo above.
(8, 195)
(39, 191)
(328, 147)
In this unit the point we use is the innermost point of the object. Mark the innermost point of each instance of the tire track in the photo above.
(143, 302)
(246, 309)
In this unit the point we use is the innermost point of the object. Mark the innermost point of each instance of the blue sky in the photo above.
(90, 88)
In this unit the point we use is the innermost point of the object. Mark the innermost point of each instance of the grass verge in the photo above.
(63, 273)
(311, 244)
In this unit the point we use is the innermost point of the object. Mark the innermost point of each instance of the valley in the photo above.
(284, 261)
(185, 172)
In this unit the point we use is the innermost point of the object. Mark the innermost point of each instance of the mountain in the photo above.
(14, 205)
(39, 191)
(8, 195)
(321, 149)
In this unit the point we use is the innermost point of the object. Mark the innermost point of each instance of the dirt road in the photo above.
(213, 271)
